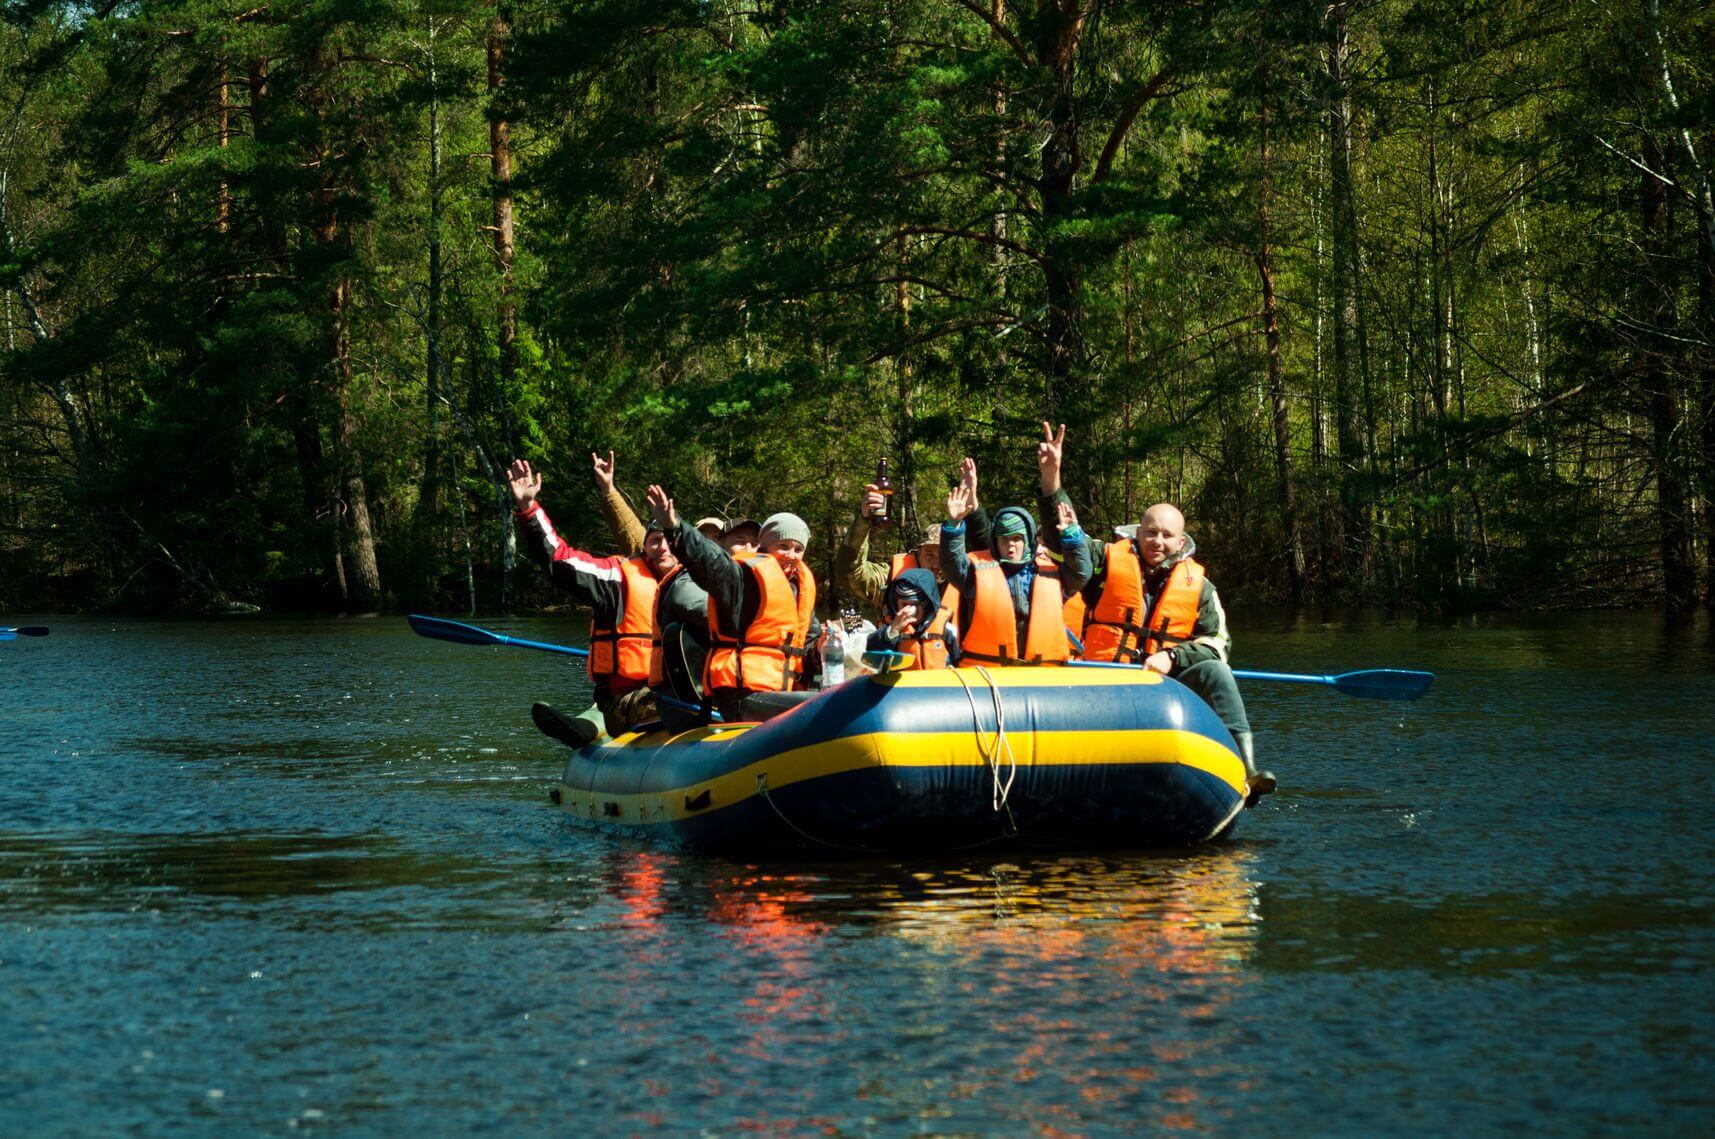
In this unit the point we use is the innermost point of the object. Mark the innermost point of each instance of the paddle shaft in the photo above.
(457, 632)
(1372, 684)
(540, 646)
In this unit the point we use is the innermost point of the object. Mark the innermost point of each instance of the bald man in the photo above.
(1150, 602)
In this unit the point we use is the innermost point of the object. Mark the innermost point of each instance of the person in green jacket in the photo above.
(867, 580)
(1200, 660)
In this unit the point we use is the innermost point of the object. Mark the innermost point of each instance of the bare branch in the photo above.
(1128, 114)
(1001, 31)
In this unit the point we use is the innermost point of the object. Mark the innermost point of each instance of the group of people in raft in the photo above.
(720, 614)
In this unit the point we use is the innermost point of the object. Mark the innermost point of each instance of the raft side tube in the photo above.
(904, 761)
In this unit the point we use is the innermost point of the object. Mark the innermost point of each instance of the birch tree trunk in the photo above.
(429, 503)
(500, 169)
(1706, 321)
(1661, 381)
(1276, 377)
(1347, 383)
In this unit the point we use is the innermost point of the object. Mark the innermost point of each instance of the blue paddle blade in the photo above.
(444, 630)
(8, 636)
(1384, 683)
(459, 633)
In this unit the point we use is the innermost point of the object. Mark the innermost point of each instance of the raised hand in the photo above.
(873, 501)
(968, 478)
(603, 472)
(903, 620)
(960, 502)
(1049, 452)
(662, 508)
(526, 484)
(1068, 518)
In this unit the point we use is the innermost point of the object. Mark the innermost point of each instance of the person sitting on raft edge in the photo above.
(1149, 601)
(761, 605)
(680, 625)
(621, 593)
(1010, 607)
(918, 624)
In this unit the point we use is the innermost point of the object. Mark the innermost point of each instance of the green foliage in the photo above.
(758, 246)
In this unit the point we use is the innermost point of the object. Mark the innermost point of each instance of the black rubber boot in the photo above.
(574, 732)
(1257, 783)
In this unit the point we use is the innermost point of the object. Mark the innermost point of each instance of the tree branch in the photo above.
(1128, 114)
(1000, 30)
(971, 235)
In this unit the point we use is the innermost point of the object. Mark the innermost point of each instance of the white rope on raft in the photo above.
(991, 752)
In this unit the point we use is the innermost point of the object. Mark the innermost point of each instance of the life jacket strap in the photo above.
(989, 658)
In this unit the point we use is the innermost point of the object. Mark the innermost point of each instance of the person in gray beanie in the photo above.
(762, 621)
(783, 527)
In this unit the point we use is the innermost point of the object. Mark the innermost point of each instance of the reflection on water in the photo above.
(1193, 913)
(1026, 947)
(42, 874)
(278, 875)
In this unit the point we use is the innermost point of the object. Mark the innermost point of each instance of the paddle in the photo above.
(885, 660)
(459, 633)
(1371, 684)
(10, 633)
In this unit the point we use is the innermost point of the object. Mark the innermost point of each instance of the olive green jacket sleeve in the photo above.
(856, 574)
(1095, 561)
(622, 522)
(1210, 639)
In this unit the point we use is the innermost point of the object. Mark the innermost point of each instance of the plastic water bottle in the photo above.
(834, 655)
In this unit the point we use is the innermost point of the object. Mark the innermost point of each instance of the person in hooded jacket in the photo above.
(918, 624)
(1150, 602)
(1010, 606)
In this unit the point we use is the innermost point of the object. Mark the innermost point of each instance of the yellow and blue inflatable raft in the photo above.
(928, 761)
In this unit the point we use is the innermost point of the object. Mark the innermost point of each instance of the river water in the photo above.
(268, 876)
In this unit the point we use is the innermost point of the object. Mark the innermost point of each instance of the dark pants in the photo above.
(729, 702)
(1213, 681)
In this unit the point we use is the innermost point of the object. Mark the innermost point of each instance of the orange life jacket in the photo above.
(929, 645)
(1072, 613)
(624, 649)
(992, 635)
(658, 661)
(1120, 627)
(799, 649)
(754, 659)
(1174, 617)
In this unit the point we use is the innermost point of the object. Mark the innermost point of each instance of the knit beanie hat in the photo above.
(1010, 521)
(783, 527)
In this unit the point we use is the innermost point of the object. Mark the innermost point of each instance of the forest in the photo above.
(1407, 303)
